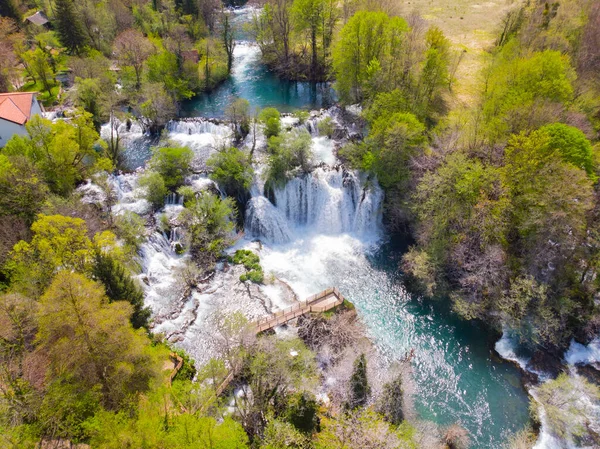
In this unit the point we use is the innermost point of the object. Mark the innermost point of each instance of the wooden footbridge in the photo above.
(319, 303)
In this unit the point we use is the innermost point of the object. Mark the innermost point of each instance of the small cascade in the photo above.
(131, 136)
(203, 137)
(174, 199)
(326, 201)
(198, 126)
(265, 221)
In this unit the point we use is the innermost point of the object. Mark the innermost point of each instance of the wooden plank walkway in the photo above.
(319, 303)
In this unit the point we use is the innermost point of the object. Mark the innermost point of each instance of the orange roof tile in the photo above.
(16, 107)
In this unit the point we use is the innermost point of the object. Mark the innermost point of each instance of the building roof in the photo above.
(16, 107)
(39, 18)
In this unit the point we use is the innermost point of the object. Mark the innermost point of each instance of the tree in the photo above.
(522, 92)
(271, 118)
(22, 191)
(172, 163)
(91, 342)
(88, 95)
(550, 200)
(158, 108)
(363, 47)
(228, 36)
(155, 188)
(232, 170)
(132, 49)
(238, 113)
(120, 286)
(63, 151)
(308, 16)
(288, 152)
(359, 384)
(435, 73)
(395, 140)
(37, 61)
(58, 243)
(69, 26)
(207, 220)
(302, 411)
(568, 406)
(572, 145)
(164, 67)
(391, 402)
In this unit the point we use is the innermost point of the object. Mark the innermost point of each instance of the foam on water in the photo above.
(578, 353)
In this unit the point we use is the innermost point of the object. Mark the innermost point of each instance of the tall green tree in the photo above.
(120, 286)
(69, 26)
(360, 389)
(90, 342)
(308, 17)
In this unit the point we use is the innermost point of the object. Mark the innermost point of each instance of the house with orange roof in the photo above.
(16, 109)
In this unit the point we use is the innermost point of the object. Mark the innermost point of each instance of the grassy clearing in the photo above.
(472, 26)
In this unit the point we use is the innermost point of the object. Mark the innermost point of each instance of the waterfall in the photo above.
(326, 201)
(203, 137)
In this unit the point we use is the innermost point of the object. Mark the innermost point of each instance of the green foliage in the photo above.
(232, 170)
(238, 112)
(566, 412)
(271, 118)
(391, 401)
(394, 141)
(120, 286)
(326, 127)
(522, 90)
(172, 163)
(360, 389)
(188, 371)
(302, 412)
(75, 318)
(131, 228)
(58, 243)
(572, 146)
(155, 188)
(87, 96)
(69, 27)
(163, 68)
(367, 40)
(207, 220)
(63, 152)
(251, 262)
(22, 190)
(287, 152)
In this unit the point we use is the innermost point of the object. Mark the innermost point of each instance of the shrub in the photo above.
(271, 118)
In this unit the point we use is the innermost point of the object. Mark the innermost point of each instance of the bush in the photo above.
(156, 190)
(326, 127)
(271, 118)
(302, 412)
(173, 164)
(252, 263)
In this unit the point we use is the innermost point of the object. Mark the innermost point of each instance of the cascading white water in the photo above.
(203, 137)
(326, 201)
(576, 354)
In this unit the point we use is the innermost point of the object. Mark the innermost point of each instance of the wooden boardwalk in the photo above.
(321, 302)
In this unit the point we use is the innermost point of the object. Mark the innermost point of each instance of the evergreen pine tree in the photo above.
(391, 401)
(121, 287)
(8, 8)
(68, 26)
(359, 384)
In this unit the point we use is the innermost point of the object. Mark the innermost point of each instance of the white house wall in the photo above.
(8, 129)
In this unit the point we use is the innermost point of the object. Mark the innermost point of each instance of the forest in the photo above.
(497, 197)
